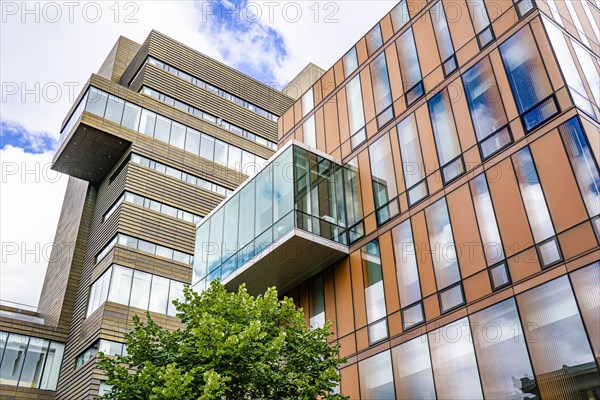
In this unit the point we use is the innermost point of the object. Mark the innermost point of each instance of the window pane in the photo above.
(382, 171)
(264, 200)
(587, 65)
(163, 129)
(317, 302)
(583, 162)
(309, 132)
(221, 152)
(406, 264)
(373, 278)
(444, 130)
(486, 218)
(12, 361)
(120, 287)
(283, 186)
(399, 16)
(478, 14)
(246, 231)
(235, 158)
(34, 362)
(353, 193)
(374, 40)
(558, 345)
(207, 147)
(177, 135)
(412, 315)
(533, 197)
(215, 240)
(52, 366)
(381, 84)
(175, 293)
(443, 251)
(409, 62)
(451, 298)
(96, 102)
(355, 106)
(192, 141)
(485, 104)
(230, 245)
(131, 116)
(525, 70)
(440, 27)
(147, 122)
(140, 290)
(201, 249)
(350, 62)
(376, 377)
(159, 295)
(586, 282)
(412, 370)
(501, 352)
(308, 102)
(453, 361)
(410, 149)
(114, 109)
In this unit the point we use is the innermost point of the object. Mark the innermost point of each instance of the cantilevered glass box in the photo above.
(281, 226)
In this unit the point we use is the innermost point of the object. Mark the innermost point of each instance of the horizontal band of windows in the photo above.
(106, 347)
(213, 89)
(133, 288)
(152, 205)
(145, 246)
(208, 117)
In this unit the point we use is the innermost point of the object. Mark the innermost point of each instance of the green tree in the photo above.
(232, 346)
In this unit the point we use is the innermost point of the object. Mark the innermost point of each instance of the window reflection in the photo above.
(376, 377)
(374, 40)
(399, 15)
(412, 370)
(374, 292)
(444, 41)
(384, 179)
(317, 302)
(486, 219)
(502, 354)
(409, 66)
(586, 282)
(381, 90)
(558, 346)
(453, 360)
(355, 107)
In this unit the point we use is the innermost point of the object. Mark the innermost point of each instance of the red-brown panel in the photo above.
(367, 94)
(320, 128)
(388, 266)
(358, 290)
(343, 298)
(425, 42)
(329, 291)
(332, 132)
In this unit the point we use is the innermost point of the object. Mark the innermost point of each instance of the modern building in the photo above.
(157, 138)
(436, 196)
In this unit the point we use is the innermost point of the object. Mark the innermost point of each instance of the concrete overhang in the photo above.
(292, 259)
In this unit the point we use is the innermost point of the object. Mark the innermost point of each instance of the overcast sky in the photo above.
(49, 49)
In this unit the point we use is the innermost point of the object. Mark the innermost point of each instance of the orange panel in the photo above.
(338, 70)
(464, 126)
(358, 290)
(329, 290)
(298, 110)
(467, 52)
(320, 129)
(466, 231)
(459, 22)
(425, 43)
(392, 301)
(361, 51)
(343, 298)
(303, 300)
(332, 132)
(343, 115)
(506, 18)
(503, 86)
(367, 94)
(432, 81)
(432, 307)
(317, 93)
(477, 286)
(577, 240)
(560, 188)
(524, 265)
(395, 147)
(395, 324)
(364, 170)
(426, 138)
(510, 213)
(391, 57)
(372, 128)
(362, 339)
(347, 345)
(349, 383)
(386, 28)
(288, 121)
(415, 6)
(328, 82)
(423, 254)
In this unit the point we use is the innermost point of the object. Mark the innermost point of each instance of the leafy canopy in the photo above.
(232, 346)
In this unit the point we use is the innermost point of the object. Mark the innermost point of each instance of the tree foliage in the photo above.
(232, 346)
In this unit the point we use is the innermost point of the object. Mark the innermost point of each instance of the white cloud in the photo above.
(44, 64)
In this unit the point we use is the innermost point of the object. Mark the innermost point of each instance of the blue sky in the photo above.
(16, 135)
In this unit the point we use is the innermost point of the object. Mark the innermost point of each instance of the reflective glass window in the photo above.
(159, 295)
(399, 15)
(409, 61)
(350, 62)
(383, 178)
(376, 377)
(374, 40)
(34, 362)
(444, 130)
(501, 352)
(114, 109)
(140, 290)
(586, 282)
(412, 370)
(410, 149)
(96, 102)
(163, 129)
(486, 219)
(207, 147)
(52, 366)
(381, 89)
(12, 361)
(175, 293)
(443, 250)
(177, 135)
(557, 341)
(453, 360)
(131, 116)
(374, 291)
(355, 106)
(120, 287)
(317, 302)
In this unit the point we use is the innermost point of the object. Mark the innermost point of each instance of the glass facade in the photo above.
(298, 189)
(135, 288)
(374, 292)
(409, 67)
(384, 180)
(29, 362)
